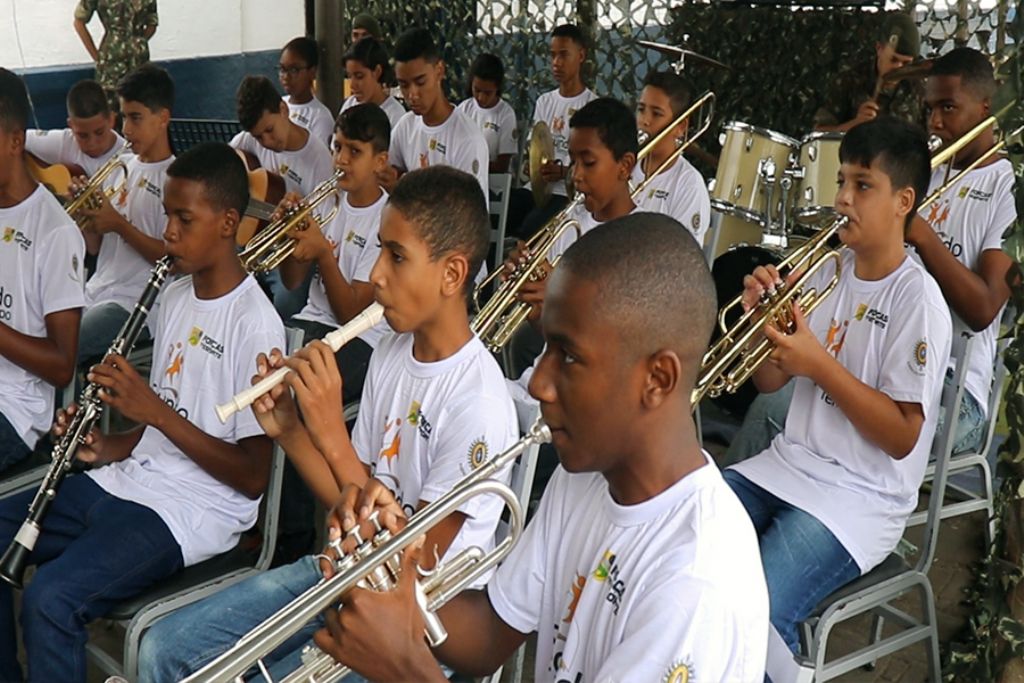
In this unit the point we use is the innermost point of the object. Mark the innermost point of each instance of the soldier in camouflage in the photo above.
(855, 96)
(127, 27)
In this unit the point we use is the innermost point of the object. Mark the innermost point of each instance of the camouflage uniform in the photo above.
(855, 86)
(124, 45)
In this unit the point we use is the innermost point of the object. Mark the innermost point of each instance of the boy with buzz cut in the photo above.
(679, 191)
(89, 141)
(830, 496)
(297, 72)
(556, 108)
(179, 488)
(41, 280)
(434, 405)
(129, 226)
(640, 564)
(433, 132)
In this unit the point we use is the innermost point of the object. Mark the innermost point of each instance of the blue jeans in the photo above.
(803, 561)
(288, 302)
(186, 640)
(95, 550)
(100, 324)
(767, 418)
(12, 449)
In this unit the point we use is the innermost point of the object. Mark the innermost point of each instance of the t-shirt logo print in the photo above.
(831, 345)
(680, 672)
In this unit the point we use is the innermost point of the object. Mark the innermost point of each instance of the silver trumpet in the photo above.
(375, 564)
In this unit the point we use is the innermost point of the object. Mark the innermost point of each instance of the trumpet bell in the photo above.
(541, 151)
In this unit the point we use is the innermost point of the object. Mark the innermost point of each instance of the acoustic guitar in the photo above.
(54, 177)
(266, 190)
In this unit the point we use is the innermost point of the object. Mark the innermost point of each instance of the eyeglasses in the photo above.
(291, 70)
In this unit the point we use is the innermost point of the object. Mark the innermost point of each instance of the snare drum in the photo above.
(816, 196)
(739, 188)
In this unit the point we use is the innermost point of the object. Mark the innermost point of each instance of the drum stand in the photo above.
(776, 230)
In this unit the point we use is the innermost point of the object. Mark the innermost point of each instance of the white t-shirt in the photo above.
(42, 257)
(670, 589)
(457, 142)
(970, 218)
(498, 124)
(680, 193)
(121, 272)
(423, 427)
(555, 110)
(302, 169)
(204, 353)
(60, 147)
(894, 335)
(314, 116)
(353, 236)
(392, 107)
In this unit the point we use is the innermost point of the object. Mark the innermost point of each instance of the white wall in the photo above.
(38, 33)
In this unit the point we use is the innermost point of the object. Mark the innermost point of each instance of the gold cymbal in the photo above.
(541, 151)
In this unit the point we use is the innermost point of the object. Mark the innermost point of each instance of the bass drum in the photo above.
(728, 271)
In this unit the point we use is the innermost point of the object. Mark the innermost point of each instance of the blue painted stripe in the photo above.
(204, 86)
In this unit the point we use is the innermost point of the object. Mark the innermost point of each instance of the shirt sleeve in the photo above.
(362, 432)
(508, 142)
(1005, 214)
(85, 10)
(61, 270)
(681, 624)
(242, 141)
(516, 591)
(469, 433)
(265, 334)
(396, 155)
(50, 146)
(473, 158)
(916, 351)
(693, 207)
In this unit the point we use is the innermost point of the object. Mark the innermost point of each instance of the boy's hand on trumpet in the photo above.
(353, 509)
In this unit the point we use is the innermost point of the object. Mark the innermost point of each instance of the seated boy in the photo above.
(555, 108)
(958, 240)
(624, 573)
(344, 252)
(602, 147)
(433, 132)
(41, 280)
(495, 116)
(831, 495)
(679, 191)
(129, 227)
(297, 72)
(179, 488)
(433, 396)
(89, 140)
(285, 148)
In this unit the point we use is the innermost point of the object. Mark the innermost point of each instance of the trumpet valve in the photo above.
(435, 631)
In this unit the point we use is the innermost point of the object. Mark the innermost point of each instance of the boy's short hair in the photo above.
(614, 122)
(148, 85)
(87, 99)
(897, 147)
(256, 95)
(220, 171)
(370, 53)
(486, 67)
(673, 85)
(14, 105)
(416, 43)
(901, 25)
(366, 123)
(572, 32)
(973, 68)
(449, 211)
(306, 48)
(655, 284)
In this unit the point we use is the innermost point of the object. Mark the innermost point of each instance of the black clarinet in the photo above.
(90, 407)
